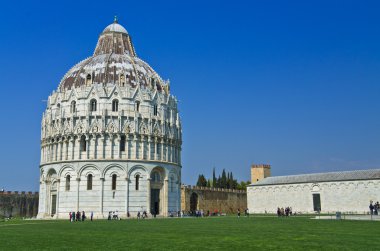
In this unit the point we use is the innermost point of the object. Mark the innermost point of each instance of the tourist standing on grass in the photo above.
(92, 215)
(73, 215)
(238, 213)
(376, 208)
(70, 216)
(109, 215)
(371, 207)
(83, 216)
(138, 215)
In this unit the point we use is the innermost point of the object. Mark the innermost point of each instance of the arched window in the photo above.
(137, 182)
(155, 176)
(73, 107)
(93, 105)
(88, 79)
(67, 183)
(89, 182)
(122, 80)
(114, 176)
(115, 105)
(137, 107)
(155, 110)
(122, 143)
(83, 143)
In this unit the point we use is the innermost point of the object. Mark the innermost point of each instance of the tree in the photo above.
(213, 178)
(202, 182)
(223, 180)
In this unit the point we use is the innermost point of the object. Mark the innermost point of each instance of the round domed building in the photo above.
(111, 137)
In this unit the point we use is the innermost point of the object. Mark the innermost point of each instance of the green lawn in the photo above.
(223, 233)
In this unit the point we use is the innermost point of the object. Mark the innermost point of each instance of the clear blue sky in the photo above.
(294, 84)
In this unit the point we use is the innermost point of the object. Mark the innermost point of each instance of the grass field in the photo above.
(217, 233)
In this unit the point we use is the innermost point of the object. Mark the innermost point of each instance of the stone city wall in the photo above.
(18, 204)
(212, 199)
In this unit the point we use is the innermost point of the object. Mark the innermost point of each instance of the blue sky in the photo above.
(294, 84)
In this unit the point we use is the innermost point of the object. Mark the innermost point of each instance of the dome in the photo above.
(114, 62)
(115, 27)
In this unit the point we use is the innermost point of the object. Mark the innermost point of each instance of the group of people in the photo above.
(79, 216)
(113, 215)
(374, 208)
(246, 212)
(284, 212)
(142, 215)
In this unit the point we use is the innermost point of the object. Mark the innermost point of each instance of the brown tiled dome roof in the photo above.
(114, 61)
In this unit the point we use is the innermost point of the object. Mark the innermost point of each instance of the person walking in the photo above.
(371, 207)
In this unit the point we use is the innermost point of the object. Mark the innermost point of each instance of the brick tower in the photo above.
(259, 172)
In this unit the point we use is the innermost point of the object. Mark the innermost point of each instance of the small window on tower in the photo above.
(93, 105)
(73, 107)
(88, 79)
(155, 110)
(115, 105)
(137, 106)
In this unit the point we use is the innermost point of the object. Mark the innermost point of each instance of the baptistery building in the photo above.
(110, 136)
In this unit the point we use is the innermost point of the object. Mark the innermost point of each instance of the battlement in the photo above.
(214, 189)
(260, 166)
(17, 193)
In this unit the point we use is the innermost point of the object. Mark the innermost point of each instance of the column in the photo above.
(57, 202)
(102, 139)
(148, 197)
(166, 196)
(167, 150)
(142, 142)
(126, 196)
(42, 155)
(66, 149)
(149, 149)
(60, 145)
(155, 148)
(101, 196)
(78, 181)
(127, 149)
(93, 147)
(136, 149)
(87, 147)
(72, 155)
(179, 155)
(162, 150)
(46, 198)
(118, 147)
(78, 148)
(54, 145)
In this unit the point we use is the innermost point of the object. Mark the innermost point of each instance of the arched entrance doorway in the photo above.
(51, 193)
(193, 202)
(156, 185)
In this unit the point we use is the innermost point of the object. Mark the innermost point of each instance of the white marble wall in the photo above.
(102, 199)
(344, 196)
